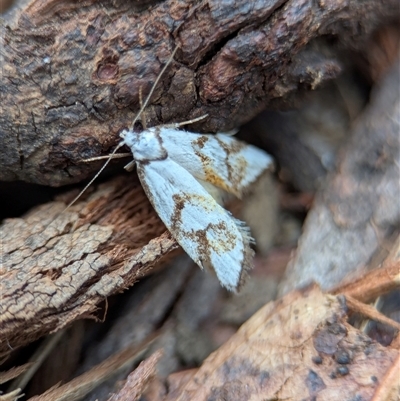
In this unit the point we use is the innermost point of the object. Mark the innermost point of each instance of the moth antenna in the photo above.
(141, 105)
(146, 102)
(97, 158)
(92, 180)
(193, 120)
(140, 97)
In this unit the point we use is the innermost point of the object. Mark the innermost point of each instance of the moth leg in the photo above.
(130, 166)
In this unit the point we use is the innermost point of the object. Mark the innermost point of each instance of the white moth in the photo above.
(171, 164)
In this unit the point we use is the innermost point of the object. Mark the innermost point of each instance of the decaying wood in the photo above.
(83, 384)
(14, 372)
(72, 72)
(358, 210)
(58, 267)
(36, 360)
(12, 396)
(145, 309)
(137, 381)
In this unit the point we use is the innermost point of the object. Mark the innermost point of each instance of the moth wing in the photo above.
(205, 230)
(219, 159)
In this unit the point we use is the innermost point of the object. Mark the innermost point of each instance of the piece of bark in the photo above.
(300, 347)
(14, 372)
(12, 396)
(72, 72)
(40, 355)
(86, 382)
(58, 267)
(145, 309)
(138, 380)
(359, 207)
(62, 362)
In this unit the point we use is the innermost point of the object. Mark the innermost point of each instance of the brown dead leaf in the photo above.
(299, 347)
(389, 387)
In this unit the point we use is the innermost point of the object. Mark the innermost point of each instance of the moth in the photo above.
(173, 166)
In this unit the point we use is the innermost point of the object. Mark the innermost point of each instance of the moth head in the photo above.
(145, 146)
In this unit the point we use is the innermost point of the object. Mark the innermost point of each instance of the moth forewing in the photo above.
(219, 159)
(206, 231)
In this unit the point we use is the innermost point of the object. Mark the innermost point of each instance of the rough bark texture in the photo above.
(57, 268)
(72, 71)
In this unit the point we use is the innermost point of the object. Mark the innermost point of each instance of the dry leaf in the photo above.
(299, 347)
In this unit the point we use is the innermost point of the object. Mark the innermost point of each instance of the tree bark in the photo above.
(57, 267)
(72, 72)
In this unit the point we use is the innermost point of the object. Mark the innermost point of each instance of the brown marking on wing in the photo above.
(180, 201)
(199, 237)
(235, 170)
(200, 141)
(211, 175)
(205, 247)
(176, 220)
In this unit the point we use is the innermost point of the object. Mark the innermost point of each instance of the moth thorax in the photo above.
(146, 145)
